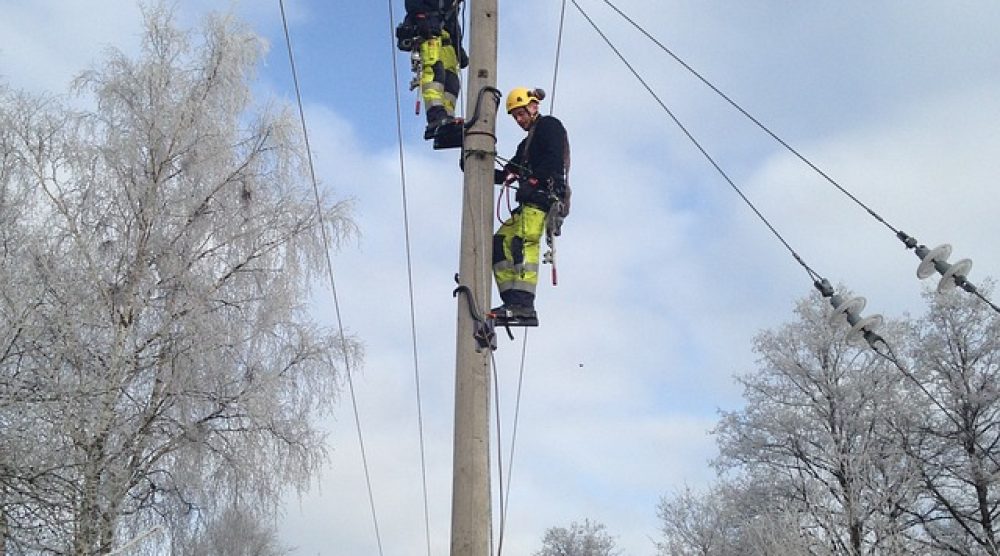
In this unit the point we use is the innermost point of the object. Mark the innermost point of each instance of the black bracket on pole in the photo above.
(483, 330)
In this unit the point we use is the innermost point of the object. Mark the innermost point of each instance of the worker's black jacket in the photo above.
(542, 155)
(435, 15)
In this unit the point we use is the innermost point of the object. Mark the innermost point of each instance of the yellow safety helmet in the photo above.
(523, 96)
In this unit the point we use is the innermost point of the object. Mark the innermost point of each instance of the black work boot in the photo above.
(515, 311)
(517, 304)
(436, 117)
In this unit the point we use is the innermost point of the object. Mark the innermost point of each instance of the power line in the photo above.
(887, 353)
(812, 274)
(409, 280)
(749, 116)
(329, 268)
(951, 274)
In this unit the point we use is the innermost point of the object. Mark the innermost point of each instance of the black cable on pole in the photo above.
(329, 268)
(409, 279)
(812, 274)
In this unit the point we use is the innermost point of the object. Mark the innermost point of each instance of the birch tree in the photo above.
(156, 358)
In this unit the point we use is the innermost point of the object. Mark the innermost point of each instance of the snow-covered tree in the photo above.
(696, 525)
(235, 532)
(156, 358)
(818, 424)
(586, 539)
(955, 355)
(730, 519)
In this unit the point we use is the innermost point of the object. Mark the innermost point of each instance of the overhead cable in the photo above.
(409, 280)
(951, 275)
(812, 274)
(333, 285)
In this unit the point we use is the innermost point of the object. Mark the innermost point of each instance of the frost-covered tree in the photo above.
(955, 354)
(854, 451)
(586, 539)
(818, 424)
(156, 358)
(730, 519)
(235, 532)
(696, 525)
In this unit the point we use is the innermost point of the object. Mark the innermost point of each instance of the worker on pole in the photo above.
(432, 27)
(540, 167)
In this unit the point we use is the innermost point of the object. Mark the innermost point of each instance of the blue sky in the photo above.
(665, 276)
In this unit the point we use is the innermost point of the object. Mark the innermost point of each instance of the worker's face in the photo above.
(524, 115)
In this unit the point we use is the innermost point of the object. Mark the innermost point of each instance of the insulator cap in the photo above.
(929, 259)
(848, 309)
(954, 274)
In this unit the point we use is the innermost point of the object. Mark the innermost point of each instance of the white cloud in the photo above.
(47, 42)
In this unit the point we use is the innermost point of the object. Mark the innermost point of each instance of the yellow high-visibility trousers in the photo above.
(516, 247)
(439, 81)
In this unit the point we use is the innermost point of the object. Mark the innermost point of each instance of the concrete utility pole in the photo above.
(471, 500)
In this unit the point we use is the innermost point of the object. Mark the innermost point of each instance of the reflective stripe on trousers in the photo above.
(516, 247)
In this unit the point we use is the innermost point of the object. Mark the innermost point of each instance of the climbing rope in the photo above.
(330, 274)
